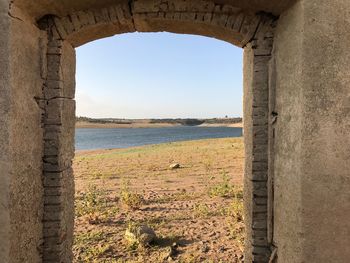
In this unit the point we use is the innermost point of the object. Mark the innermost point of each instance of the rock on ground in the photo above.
(140, 234)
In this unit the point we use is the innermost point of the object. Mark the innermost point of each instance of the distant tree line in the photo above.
(194, 122)
(224, 120)
(103, 120)
(186, 122)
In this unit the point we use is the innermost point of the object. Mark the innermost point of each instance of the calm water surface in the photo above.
(89, 139)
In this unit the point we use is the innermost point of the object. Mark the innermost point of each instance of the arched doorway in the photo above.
(308, 120)
(241, 28)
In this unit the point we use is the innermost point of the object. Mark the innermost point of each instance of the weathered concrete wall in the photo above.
(312, 147)
(225, 22)
(248, 68)
(27, 45)
(310, 151)
(326, 131)
(5, 158)
(288, 145)
(40, 8)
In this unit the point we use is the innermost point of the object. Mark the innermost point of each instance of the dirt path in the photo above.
(196, 209)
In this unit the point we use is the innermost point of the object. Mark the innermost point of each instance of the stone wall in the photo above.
(5, 157)
(21, 136)
(59, 125)
(257, 55)
(297, 121)
(40, 8)
(326, 131)
(224, 22)
(312, 167)
(221, 21)
(288, 128)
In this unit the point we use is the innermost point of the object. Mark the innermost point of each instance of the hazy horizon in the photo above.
(157, 76)
(158, 118)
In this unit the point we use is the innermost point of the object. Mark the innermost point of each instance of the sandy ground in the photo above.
(197, 206)
(145, 124)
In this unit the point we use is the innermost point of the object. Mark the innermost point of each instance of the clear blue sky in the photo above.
(159, 75)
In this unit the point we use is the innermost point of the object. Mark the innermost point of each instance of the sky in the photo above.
(159, 75)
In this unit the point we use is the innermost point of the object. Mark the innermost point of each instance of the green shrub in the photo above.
(130, 198)
(225, 188)
(95, 204)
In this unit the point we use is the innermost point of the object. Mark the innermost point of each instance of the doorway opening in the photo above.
(175, 172)
(253, 32)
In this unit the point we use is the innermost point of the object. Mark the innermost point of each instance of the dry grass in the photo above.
(129, 198)
(198, 206)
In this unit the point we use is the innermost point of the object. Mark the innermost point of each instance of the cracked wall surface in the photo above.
(21, 137)
(5, 156)
(61, 8)
(312, 145)
(224, 22)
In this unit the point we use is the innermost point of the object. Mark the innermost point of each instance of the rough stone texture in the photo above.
(288, 128)
(39, 8)
(59, 126)
(200, 17)
(5, 157)
(248, 65)
(26, 44)
(312, 167)
(85, 26)
(224, 22)
(326, 131)
(257, 55)
(296, 118)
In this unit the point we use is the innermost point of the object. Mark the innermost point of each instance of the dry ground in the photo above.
(198, 206)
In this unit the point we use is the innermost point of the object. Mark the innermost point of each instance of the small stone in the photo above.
(174, 166)
(222, 249)
(169, 253)
(204, 248)
(140, 234)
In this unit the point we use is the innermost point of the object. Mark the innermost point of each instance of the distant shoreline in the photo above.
(145, 124)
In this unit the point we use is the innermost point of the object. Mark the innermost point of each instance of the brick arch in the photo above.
(225, 22)
(245, 29)
(295, 105)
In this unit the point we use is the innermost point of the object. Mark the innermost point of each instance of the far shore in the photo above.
(144, 124)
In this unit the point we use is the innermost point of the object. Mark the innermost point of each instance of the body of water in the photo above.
(89, 139)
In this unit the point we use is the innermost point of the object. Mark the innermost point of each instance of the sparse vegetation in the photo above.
(95, 204)
(130, 198)
(225, 188)
(90, 246)
(181, 195)
(201, 210)
(198, 209)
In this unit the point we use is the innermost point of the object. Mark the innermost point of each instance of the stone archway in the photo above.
(296, 111)
(241, 28)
